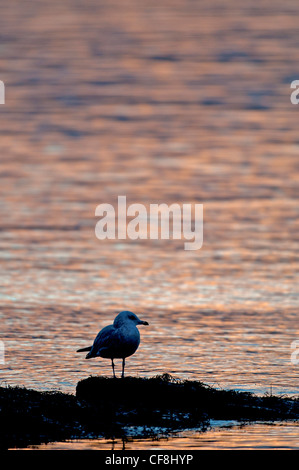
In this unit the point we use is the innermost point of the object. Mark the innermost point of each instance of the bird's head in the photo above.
(128, 317)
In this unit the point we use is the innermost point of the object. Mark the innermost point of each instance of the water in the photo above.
(220, 436)
(184, 102)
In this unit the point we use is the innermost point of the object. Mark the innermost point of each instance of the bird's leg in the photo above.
(123, 371)
(113, 368)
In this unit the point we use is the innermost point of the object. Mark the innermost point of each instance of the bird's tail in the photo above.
(88, 348)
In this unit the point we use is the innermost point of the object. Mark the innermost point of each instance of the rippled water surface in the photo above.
(185, 102)
(221, 436)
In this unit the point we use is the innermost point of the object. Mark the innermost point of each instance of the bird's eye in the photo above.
(132, 317)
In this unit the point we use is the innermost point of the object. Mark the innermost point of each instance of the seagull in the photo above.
(117, 341)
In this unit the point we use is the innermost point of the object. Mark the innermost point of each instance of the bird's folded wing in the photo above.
(105, 338)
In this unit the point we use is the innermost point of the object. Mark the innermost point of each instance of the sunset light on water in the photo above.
(174, 103)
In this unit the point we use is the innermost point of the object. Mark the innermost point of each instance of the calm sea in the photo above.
(177, 102)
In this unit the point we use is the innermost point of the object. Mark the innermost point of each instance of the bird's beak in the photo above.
(143, 322)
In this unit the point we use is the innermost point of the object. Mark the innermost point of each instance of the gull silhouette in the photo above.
(117, 341)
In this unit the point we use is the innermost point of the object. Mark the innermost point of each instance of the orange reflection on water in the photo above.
(222, 436)
(181, 102)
